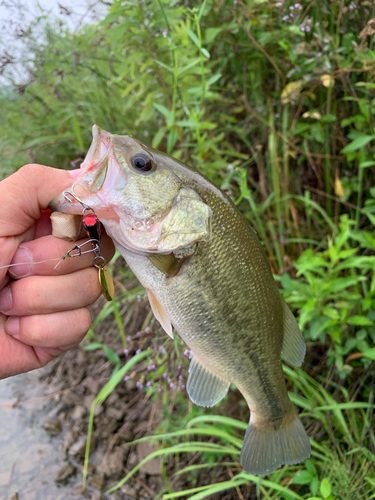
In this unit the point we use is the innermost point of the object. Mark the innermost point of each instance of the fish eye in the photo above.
(142, 162)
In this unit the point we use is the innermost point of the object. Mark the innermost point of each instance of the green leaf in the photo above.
(314, 485)
(164, 111)
(213, 79)
(171, 141)
(303, 477)
(192, 124)
(194, 37)
(201, 10)
(111, 17)
(345, 254)
(358, 143)
(265, 37)
(329, 118)
(325, 488)
(190, 65)
(111, 355)
(164, 66)
(365, 164)
(158, 137)
(370, 353)
(187, 123)
(205, 53)
(360, 321)
(93, 346)
(341, 284)
(211, 33)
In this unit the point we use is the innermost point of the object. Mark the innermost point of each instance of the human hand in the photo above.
(42, 311)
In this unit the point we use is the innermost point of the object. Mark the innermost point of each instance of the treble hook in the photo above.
(72, 194)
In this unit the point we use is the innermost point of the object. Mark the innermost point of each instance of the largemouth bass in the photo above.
(206, 274)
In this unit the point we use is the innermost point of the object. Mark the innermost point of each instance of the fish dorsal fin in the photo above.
(160, 313)
(294, 347)
(204, 387)
(167, 264)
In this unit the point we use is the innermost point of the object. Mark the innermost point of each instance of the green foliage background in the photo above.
(274, 102)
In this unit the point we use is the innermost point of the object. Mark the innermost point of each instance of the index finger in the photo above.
(26, 193)
(39, 257)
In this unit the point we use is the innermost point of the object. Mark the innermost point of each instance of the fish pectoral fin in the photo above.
(167, 264)
(294, 347)
(159, 313)
(204, 387)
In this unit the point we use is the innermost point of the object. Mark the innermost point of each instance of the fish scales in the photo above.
(205, 273)
(219, 324)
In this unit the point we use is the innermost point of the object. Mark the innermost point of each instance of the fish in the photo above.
(206, 275)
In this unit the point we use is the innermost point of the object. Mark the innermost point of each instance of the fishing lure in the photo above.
(92, 226)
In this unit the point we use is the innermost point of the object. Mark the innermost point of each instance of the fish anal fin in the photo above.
(267, 447)
(167, 264)
(159, 313)
(204, 387)
(294, 347)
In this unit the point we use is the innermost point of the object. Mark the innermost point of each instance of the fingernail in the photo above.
(23, 258)
(12, 326)
(6, 300)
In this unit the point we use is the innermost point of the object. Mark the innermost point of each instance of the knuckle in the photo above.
(31, 170)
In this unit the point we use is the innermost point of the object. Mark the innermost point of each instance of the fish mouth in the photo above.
(100, 145)
(89, 177)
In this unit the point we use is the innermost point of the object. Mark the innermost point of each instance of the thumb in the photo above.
(26, 193)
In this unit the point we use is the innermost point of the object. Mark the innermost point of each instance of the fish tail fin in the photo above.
(268, 446)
